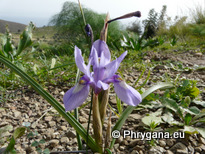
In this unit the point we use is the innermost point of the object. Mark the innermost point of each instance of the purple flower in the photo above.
(103, 74)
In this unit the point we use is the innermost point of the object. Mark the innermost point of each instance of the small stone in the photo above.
(26, 98)
(122, 148)
(48, 118)
(162, 143)
(202, 140)
(202, 147)
(116, 146)
(52, 123)
(30, 149)
(53, 142)
(113, 100)
(179, 151)
(190, 148)
(141, 152)
(169, 152)
(198, 54)
(179, 146)
(135, 116)
(71, 134)
(17, 114)
(157, 150)
(198, 149)
(134, 142)
(64, 128)
(33, 125)
(194, 143)
(170, 143)
(124, 142)
(134, 152)
(138, 148)
(83, 120)
(119, 140)
(62, 93)
(64, 140)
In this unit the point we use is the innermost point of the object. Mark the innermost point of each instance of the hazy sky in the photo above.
(40, 11)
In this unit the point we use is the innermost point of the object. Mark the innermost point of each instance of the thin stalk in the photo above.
(80, 147)
(81, 10)
(91, 104)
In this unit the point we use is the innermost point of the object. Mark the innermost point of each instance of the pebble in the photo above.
(198, 149)
(179, 151)
(64, 128)
(162, 143)
(52, 123)
(83, 120)
(48, 118)
(170, 142)
(169, 152)
(53, 142)
(201, 140)
(134, 152)
(64, 140)
(71, 134)
(134, 142)
(179, 146)
(17, 114)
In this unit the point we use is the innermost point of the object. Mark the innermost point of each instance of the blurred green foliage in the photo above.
(70, 26)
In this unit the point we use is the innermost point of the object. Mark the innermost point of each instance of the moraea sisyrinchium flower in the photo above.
(103, 74)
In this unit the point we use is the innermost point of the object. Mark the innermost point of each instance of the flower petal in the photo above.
(75, 96)
(101, 46)
(127, 94)
(102, 85)
(112, 67)
(79, 60)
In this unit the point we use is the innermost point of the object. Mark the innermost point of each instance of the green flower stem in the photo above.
(68, 117)
(80, 147)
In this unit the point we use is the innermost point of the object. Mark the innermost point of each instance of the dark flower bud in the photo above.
(88, 30)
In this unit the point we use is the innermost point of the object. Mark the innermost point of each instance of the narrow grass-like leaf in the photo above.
(68, 117)
(129, 109)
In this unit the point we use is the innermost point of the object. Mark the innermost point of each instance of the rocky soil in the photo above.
(25, 105)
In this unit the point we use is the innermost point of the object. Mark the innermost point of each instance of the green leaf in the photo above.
(194, 110)
(61, 110)
(168, 117)
(147, 120)
(10, 146)
(108, 151)
(46, 151)
(187, 119)
(171, 104)
(25, 39)
(201, 120)
(129, 109)
(201, 131)
(34, 143)
(42, 141)
(202, 103)
(19, 132)
(8, 48)
(201, 114)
